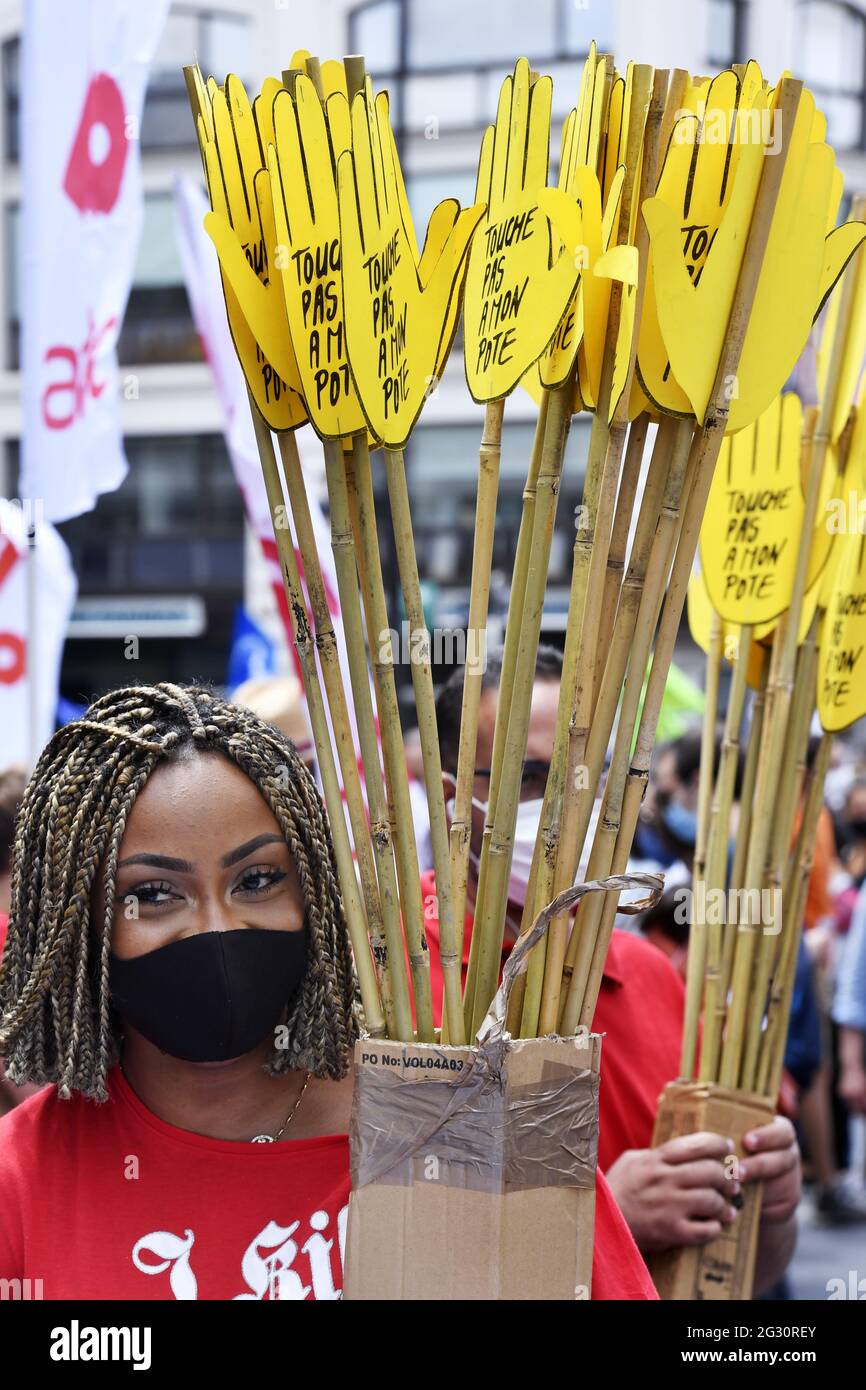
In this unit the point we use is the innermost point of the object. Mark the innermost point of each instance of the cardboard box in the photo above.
(725, 1268)
(473, 1170)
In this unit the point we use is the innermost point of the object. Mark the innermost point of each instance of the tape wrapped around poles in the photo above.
(454, 1108)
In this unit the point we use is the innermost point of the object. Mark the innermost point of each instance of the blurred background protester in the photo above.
(279, 700)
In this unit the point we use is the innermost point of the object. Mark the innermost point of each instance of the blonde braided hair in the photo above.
(56, 1023)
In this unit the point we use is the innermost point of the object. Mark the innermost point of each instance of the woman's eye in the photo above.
(259, 879)
(154, 894)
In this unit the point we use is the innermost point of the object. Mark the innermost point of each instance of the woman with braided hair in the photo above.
(177, 950)
(178, 972)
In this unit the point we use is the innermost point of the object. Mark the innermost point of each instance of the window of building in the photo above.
(10, 70)
(177, 519)
(727, 33)
(157, 326)
(832, 48)
(410, 46)
(220, 43)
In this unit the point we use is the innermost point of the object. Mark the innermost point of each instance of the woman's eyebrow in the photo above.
(158, 861)
(235, 856)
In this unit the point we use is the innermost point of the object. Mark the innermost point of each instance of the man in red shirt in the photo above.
(679, 1193)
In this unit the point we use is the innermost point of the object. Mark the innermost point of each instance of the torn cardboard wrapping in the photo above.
(725, 1268)
(473, 1168)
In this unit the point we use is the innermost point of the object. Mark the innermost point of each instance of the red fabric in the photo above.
(639, 1011)
(108, 1201)
(4, 923)
(97, 1195)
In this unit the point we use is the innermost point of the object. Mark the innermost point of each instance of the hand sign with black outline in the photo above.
(243, 235)
(398, 306)
(517, 289)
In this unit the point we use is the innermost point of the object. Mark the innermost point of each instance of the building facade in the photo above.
(176, 526)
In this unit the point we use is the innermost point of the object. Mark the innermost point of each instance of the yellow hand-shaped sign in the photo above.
(754, 517)
(516, 292)
(854, 353)
(395, 321)
(243, 234)
(842, 660)
(695, 186)
(302, 169)
(700, 616)
(798, 270)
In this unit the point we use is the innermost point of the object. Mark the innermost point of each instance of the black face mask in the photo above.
(212, 996)
(856, 829)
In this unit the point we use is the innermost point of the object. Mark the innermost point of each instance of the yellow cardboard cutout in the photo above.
(798, 270)
(577, 220)
(303, 187)
(696, 184)
(700, 617)
(591, 112)
(854, 352)
(831, 512)
(842, 659)
(614, 148)
(516, 289)
(244, 241)
(334, 78)
(754, 517)
(841, 509)
(394, 323)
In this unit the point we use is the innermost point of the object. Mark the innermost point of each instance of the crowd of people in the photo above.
(169, 906)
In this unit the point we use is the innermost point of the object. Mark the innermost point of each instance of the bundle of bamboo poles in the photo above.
(742, 963)
(596, 303)
(620, 619)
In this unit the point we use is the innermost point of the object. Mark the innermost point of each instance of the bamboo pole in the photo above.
(450, 948)
(540, 1010)
(342, 543)
(490, 909)
(629, 601)
(333, 798)
(741, 841)
(551, 823)
(619, 538)
(658, 567)
(704, 454)
(775, 725)
(697, 957)
(382, 654)
(750, 772)
(506, 684)
(779, 1006)
(479, 597)
(784, 812)
(717, 855)
(557, 867)
(384, 942)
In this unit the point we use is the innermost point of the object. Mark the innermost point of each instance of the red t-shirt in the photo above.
(639, 1011)
(103, 1201)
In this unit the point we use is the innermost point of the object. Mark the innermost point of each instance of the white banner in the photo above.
(83, 77)
(27, 647)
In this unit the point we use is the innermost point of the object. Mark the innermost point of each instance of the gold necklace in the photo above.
(272, 1138)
